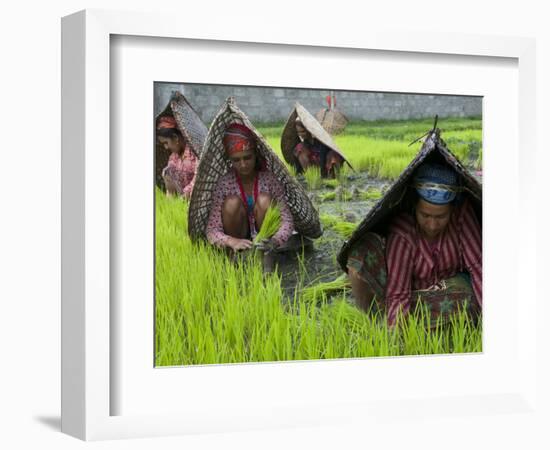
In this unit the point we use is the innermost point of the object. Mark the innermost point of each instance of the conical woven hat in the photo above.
(290, 139)
(332, 120)
(378, 218)
(189, 124)
(214, 164)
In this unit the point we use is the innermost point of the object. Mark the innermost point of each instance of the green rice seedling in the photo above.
(370, 194)
(271, 223)
(408, 130)
(391, 168)
(291, 169)
(339, 194)
(479, 161)
(367, 154)
(465, 135)
(344, 195)
(345, 229)
(302, 269)
(343, 174)
(271, 130)
(313, 177)
(461, 150)
(462, 329)
(331, 183)
(328, 220)
(328, 196)
(319, 291)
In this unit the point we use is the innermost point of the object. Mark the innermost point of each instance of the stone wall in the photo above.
(274, 104)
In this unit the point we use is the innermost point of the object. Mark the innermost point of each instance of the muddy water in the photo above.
(317, 263)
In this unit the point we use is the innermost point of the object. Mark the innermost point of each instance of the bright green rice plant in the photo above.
(313, 177)
(320, 291)
(328, 220)
(344, 229)
(328, 196)
(291, 169)
(331, 183)
(408, 130)
(342, 175)
(271, 223)
(382, 159)
(370, 194)
(344, 195)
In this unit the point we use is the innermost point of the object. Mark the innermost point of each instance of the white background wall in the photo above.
(30, 186)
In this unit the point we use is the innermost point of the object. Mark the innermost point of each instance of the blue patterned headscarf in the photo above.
(436, 183)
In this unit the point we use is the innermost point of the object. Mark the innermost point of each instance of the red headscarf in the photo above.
(166, 122)
(238, 138)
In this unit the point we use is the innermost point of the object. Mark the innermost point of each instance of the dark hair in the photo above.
(169, 133)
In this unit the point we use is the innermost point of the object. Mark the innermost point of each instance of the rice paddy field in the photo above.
(214, 309)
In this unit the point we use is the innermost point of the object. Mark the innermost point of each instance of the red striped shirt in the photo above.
(415, 264)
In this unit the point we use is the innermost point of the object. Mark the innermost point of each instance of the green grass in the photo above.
(211, 309)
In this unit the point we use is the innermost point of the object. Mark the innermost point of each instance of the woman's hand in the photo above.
(239, 244)
(266, 245)
(169, 184)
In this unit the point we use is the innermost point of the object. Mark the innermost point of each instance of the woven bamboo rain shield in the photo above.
(332, 120)
(189, 124)
(289, 138)
(434, 149)
(214, 164)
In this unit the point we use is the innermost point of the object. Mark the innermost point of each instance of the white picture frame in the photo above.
(87, 329)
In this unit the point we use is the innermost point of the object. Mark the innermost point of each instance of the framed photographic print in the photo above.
(127, 76)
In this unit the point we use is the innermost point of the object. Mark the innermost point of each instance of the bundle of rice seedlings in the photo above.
(342, 175)
(345, 229)
(331, 183)
(320, 291)
(271, 223)
(328, 220)
(370, 194)
(328, 196)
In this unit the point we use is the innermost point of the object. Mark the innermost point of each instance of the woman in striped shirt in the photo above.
(432, 255)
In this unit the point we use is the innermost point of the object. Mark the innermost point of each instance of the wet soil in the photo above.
(317, 262)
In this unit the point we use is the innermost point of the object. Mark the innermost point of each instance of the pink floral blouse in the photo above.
(181, 171)
(227, 185)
